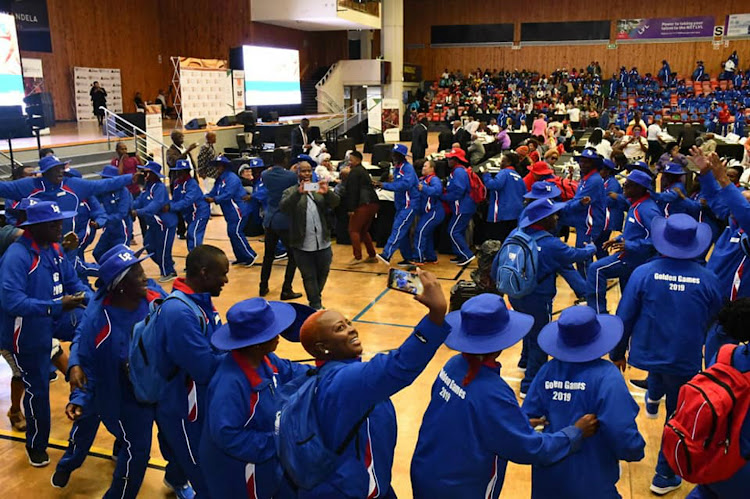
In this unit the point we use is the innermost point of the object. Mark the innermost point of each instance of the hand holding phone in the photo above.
(406, 282)
(311, 187)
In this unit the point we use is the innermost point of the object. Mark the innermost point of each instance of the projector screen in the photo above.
(11, 79)
(271, 76)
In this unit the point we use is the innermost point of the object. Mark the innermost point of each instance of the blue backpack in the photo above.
(299, 443)
(146, 370)
(517, 263)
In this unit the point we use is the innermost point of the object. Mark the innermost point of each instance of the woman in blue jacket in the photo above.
(616, 205)
(229, 194)
(118, 227)
(238, 449)
(505, 191)
(575, 382)
(458, 195)
(350, 389)
(431, 214)
(473, 425)
(161, 226)
(187, 199)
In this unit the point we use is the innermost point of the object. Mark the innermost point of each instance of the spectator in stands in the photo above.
(574, 116)
(634, 146)
(539, 127)
(654, 141)
(599, 143)
(98, 101)
(419, 139)
(686, 138)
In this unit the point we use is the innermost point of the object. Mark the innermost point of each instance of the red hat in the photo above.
(458, 154)
(523, 150)
(541, 168)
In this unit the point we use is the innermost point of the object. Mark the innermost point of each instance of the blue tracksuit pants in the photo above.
(35, 369)
(196, 230)
(541, 309)
(581, 239)
(399, 238)
(603, 238)
(659, 385)
(601, 270)
(109, 239)
(182, 438)
(457, 231)
(236, 232)
(159, 242)
(424, 236)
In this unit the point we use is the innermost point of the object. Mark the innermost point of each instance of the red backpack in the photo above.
(701, 440)
(567, 187)
(477, 190)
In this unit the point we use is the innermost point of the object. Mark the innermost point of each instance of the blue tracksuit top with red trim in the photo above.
(228, 193)
(685, 292)
(33, 281)
(563, 392)
(238, 447)
(117, 205)
(102, 340)
(150, 203)
(637, 231)
(346, 391)
(457, 192)
(88, 210)
(404, 187)
(188, 199)
(470, 432)
(589, 219)
(670, 202)
(429, 196)
(68, 194)
(615, 208)
(505, 192)
(728, 261)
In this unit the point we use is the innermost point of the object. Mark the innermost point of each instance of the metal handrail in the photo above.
(325, 76)
(121, 124)
(12, 160)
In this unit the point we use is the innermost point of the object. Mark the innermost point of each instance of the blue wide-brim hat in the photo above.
(109, 171)
(680, 236)
(257, 163)
(153, 167)
(114, 262)
(610, 165)
(485, 325)
(674, 169)
(539, 210)
(180, 165)
(580, 335)
(401, 149)
(251, 322)
(305, 157)
(542, 190)
(303, 312)
(221, 161)
(640, 177)
(589, 154)
(49, 162)
(45, 211)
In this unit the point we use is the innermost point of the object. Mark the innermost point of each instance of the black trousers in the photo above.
(314, 267)
(271, 239)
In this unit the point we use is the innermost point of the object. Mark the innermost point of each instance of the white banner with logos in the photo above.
(154, 131)
(206, 93)
(83, 80)
(738, 26)
(238, 81)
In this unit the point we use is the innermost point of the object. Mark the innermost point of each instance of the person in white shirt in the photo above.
(635, 147)
(325, 170)
(654, 143)
(600, 144)
(574, 114)
(472, 126)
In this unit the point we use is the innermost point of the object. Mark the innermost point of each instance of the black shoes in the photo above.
(263, 291)
(290, 295)
(37, 458)
(60, 479)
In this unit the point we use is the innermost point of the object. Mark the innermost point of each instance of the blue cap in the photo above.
(48, 162)
(180, 165)
(257, 162)
(221, 160)
(539, 210)
(580, 335)
(251, 322)
(109, 171)
(680, 236)
(401, 149)
(153, 167)
(542, 190)
(45, 211)
(305, 157)
(674, 169)
(72, 172)
(641, 178)
(114, 262)
(484, 325)
(591, 154)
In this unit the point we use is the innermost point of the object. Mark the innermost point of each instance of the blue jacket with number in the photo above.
(238, 443)
(685, 292)
(588, 219)
(33, 281)
(505, 191)
(150, 203)
(637, 231)
(563, 392)
(117, 205)
(228, 193)
(346, 391)
(429, 196)
(615, 208)
(188, 199)
(68, 194)
(458, 191)
(404, 187)
(470, 432)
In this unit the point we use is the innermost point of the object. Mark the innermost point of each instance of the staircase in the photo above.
(310, 92)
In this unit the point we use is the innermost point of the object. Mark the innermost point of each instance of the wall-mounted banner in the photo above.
(738, 26)
(665, 28)
(32, 23)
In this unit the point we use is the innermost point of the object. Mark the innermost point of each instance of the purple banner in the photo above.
(665, 27)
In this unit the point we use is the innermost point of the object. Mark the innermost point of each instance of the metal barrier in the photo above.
(118, 128)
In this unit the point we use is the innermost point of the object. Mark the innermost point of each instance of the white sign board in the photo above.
(238, 82)
(738, 26)
(154, 131)
(206, 93)
(84, 78)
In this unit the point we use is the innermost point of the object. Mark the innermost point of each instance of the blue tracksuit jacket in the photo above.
(346, 391)
(687, 293)
(429, 196)
(118, 226)
(470, 432)
(588, 219)
(68, 195)
(187, 198)
(149, 205)
(238, 447)
(670, 202)
(505, 192)
(457, 192)
(275, 181)
(615, 208)
(228, 193)
(562, 392)
(88, 210)
(404, 186)
(637, 231)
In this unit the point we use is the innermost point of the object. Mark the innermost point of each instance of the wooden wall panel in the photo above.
(420, 15)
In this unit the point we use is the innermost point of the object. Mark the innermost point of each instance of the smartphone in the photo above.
(311, 187)
(406, 282)
(80, 295)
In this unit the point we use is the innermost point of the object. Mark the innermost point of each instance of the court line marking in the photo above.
(370, 305)
(383, 323)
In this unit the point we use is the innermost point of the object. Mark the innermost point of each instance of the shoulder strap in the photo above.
(353, 432)
(179, 295)
(725, 354)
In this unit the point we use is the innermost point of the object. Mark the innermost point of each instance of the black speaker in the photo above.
(246, 118)
(227, 121)
(196, 124)
(40, 110)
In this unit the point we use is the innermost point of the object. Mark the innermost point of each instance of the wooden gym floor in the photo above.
(384, 319)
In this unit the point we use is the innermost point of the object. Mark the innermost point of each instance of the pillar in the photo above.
(392, 40)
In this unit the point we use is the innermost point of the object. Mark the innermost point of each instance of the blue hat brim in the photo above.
(699, 245)
(179, 168)
(63, 215)
(609, 336)
(598, 160)
(62, 163)
(303, 312)
(100, 284)
(144, 169)
(551, 194)
(518, 326)
(284, 315)
(300, 159)
(526, 221)
(105, 175)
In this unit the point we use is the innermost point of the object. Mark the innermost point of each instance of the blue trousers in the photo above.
(581, 239)
(457, 231)
(159, 242)
(182, 438)
(599, 241)
(425, 234)
(399, 238)
(35, 369)
(660, 385)
(599, 272)
(236, 232)
(541, 309)
(112, 237)
(196, 230)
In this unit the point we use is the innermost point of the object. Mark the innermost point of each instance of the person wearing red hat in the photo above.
(458, 194)
(538, 171)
